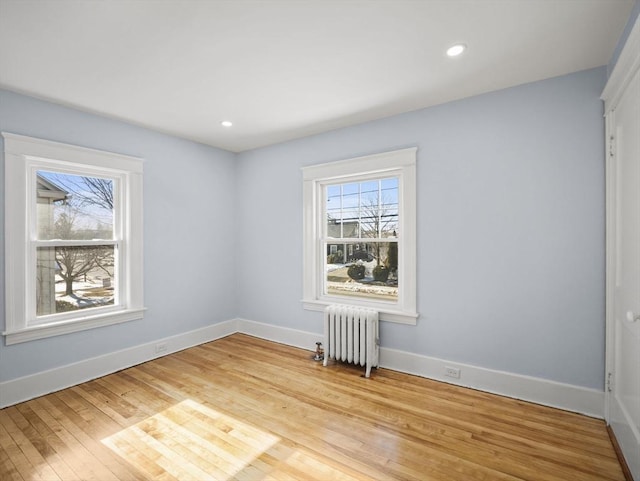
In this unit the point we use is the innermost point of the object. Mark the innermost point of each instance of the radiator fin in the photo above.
(351, 335)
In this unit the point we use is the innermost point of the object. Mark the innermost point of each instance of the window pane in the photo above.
(389, 207)
(73, 207)
(367, 209)
(72, 278)
(334, 211)
(350, 223)
(368, 269)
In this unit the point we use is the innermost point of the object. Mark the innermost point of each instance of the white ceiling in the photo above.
(286, 69)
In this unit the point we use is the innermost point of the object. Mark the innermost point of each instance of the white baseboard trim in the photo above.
(527, 388)
(541, 391)
(32, 386)
(283, 335)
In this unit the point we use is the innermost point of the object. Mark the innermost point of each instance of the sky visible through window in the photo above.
(363, 209)
(86, 211)
(71, 276)
(361, 241)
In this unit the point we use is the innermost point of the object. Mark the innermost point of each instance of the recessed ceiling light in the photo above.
(456, 49)
(226, 123)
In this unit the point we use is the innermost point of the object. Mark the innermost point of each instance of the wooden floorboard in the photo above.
(242, 408)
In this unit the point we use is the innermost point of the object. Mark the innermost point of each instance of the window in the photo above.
(361, 239)
(73, 238)
(360, 234)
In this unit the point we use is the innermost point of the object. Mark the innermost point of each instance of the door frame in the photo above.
(627, 66)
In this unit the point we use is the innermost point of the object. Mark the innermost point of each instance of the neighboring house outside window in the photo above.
(73, 238)
(360, 234)
(48, 195)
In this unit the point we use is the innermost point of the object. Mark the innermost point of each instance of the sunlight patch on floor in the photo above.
(190, 441)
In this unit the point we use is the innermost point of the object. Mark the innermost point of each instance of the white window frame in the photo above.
(398, 163)
(23, 157)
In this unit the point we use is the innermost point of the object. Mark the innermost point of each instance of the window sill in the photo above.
(399, 317)
(66, 327)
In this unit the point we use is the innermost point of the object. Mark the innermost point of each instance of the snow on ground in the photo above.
(368, 290)
(351, 287)
(85, 294)
(368, 266)
(78, 286)
(334, 267)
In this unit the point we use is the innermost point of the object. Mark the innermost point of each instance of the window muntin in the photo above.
(74, 207)
(51, 221)
(366, 210)
(74, 269)
(358, 274)
(338, 231)
(70, 278)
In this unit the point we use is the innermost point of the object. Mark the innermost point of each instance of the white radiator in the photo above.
(351, 335)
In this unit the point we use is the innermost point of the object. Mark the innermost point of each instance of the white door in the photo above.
(623, 329)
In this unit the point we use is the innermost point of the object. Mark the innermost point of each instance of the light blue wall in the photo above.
(510, 228)
(187, 187)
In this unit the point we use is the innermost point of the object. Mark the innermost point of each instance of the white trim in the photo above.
(626, 68)
(47, 149)
(626, 432)
(537, 390)
(619, 84)
(387, 315)
(32, 386)
(376, 163)
(518, 386)
(400, 163)
(527, 388)
(282, 335)
(610, 258)
(74, 325)
(627, 65)
(23, 157)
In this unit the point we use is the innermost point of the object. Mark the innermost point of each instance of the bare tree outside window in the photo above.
(87, 191)
(77, 262)
(77, 210)
(379, 220)
(362, 239)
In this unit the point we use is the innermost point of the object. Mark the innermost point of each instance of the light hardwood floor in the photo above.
(248, 409)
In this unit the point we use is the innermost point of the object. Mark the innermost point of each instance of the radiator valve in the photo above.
(319, 352)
